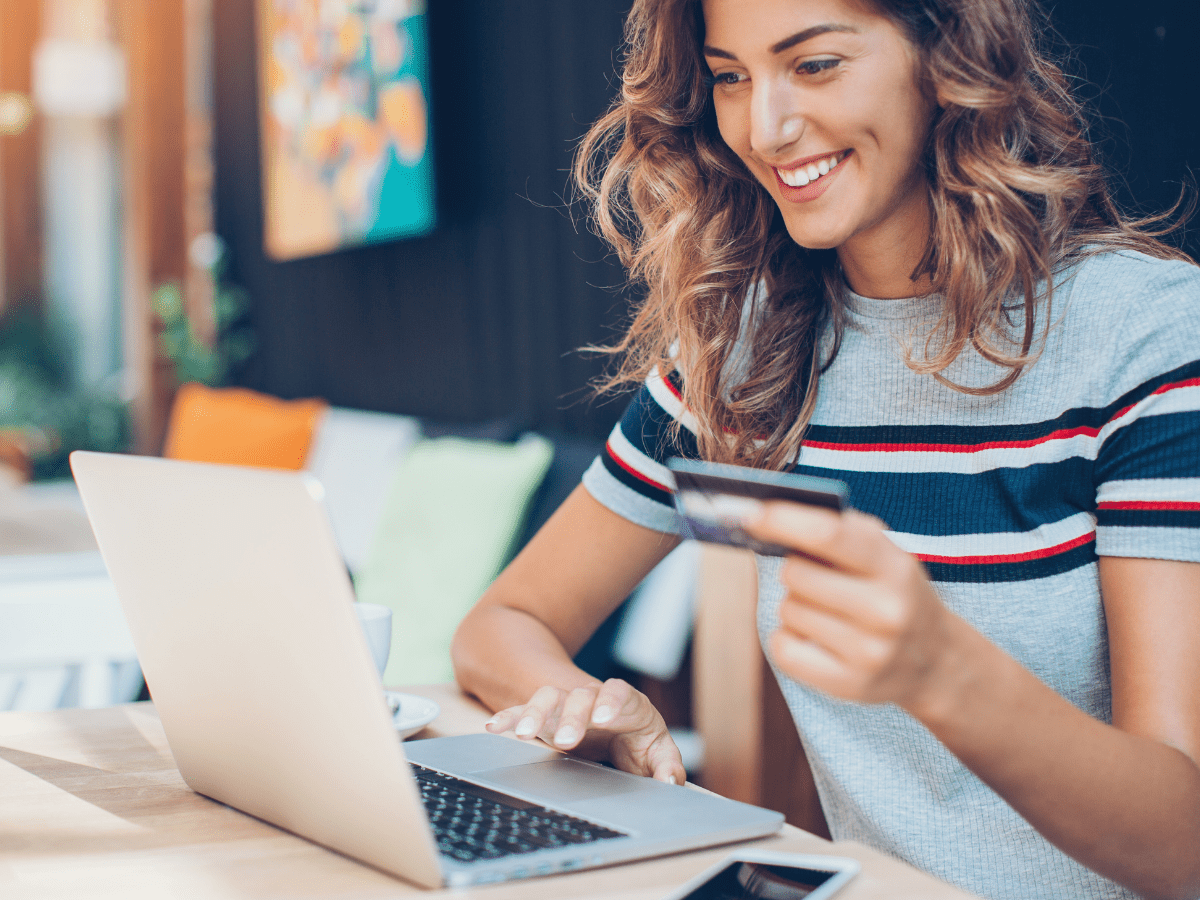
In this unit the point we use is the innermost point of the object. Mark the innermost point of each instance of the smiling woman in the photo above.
(875, 246)
(968, 142)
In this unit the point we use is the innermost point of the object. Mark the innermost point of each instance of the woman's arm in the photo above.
(864, 623)
(514, 648)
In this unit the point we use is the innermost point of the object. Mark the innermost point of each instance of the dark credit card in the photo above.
(711, 499)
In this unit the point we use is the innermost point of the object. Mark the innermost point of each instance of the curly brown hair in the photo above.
(1015, 194)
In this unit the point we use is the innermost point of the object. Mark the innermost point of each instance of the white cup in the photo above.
(377, 624)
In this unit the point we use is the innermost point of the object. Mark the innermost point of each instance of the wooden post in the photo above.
(20, 162)
(198, 172)
(752, 751)
(154, 149)
(727, 668)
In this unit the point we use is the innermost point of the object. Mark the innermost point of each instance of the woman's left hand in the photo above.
(860, 619)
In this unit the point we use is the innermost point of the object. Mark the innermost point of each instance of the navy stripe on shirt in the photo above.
(950, 503)
(1148, 517)
(632, 481)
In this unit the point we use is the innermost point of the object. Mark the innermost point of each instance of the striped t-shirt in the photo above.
(1008, 500)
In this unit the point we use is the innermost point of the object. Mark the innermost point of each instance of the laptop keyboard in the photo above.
(473, 823)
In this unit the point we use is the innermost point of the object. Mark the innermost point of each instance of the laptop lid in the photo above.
(241, 611)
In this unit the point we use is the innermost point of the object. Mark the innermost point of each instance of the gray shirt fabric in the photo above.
(1008, 499)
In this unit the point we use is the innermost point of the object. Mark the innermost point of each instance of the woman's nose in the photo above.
(775, 122)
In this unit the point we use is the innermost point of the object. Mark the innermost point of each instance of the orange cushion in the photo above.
(241, 427)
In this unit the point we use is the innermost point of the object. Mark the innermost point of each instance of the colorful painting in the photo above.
(345, 124)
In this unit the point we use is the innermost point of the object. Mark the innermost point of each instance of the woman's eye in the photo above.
(725, 79)
(817, 66)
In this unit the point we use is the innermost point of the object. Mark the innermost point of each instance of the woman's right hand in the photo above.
(610, 720)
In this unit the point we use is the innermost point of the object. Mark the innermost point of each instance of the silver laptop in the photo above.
(241, 611)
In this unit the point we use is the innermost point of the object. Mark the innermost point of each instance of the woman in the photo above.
(875, 246)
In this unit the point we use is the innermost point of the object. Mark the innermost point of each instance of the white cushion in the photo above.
(354, 455)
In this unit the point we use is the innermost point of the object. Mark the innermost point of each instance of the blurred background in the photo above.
(154, 227)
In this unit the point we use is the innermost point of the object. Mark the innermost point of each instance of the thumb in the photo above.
(672, 773)
(666, 762)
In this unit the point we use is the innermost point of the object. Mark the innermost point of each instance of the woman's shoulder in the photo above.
(1129, 280)
(1131, 313)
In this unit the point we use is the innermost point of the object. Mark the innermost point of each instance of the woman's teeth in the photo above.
(803, 175)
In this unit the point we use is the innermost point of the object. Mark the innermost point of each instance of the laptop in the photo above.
(242, 614)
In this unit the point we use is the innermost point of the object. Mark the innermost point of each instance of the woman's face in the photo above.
(824, 88)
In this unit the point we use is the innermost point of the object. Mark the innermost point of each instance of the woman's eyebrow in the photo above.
(788, 42)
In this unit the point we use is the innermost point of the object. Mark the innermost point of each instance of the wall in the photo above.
(479, 319)
(474, 321)
(1141, 69)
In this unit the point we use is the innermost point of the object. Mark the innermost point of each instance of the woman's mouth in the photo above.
(808, 181)
(800, 176)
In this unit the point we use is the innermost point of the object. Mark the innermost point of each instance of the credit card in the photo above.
(713, 499)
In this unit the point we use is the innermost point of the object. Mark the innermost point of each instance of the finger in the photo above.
(619, 707)
(574, 717)
(542, 709)
(870, 603)
(843, 639)
(665, 761)
(641, 743)
(504, 719)
(848, 540)
(652, 753)
(811, 664)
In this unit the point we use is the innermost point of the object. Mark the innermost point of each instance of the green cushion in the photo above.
(451, 516)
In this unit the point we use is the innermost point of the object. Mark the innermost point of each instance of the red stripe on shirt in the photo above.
(632, 471)
(1184, 505)
(670, 387)
(1010, 557)
(1061, 434)
(1187, 382)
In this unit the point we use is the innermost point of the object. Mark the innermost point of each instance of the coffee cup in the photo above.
(377, 625)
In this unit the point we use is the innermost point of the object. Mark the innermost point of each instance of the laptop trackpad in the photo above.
(564, 780)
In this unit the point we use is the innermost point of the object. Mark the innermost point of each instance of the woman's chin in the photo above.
(811, 233)
(816, 241)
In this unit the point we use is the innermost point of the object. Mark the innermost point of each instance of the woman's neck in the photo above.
(880, 262)
(893, 283)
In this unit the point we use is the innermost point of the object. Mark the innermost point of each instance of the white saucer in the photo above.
(414, 712)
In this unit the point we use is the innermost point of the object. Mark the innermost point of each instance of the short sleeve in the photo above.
(630, 476)
(1148, 464)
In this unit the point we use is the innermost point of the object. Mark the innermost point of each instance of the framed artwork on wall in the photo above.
(344, 123)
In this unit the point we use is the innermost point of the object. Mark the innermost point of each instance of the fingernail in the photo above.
(602, 714)
(491, 723)
(525, 727)
(671, 779)
(566, 735)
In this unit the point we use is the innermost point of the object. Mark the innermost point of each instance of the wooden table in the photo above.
(92, 806)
